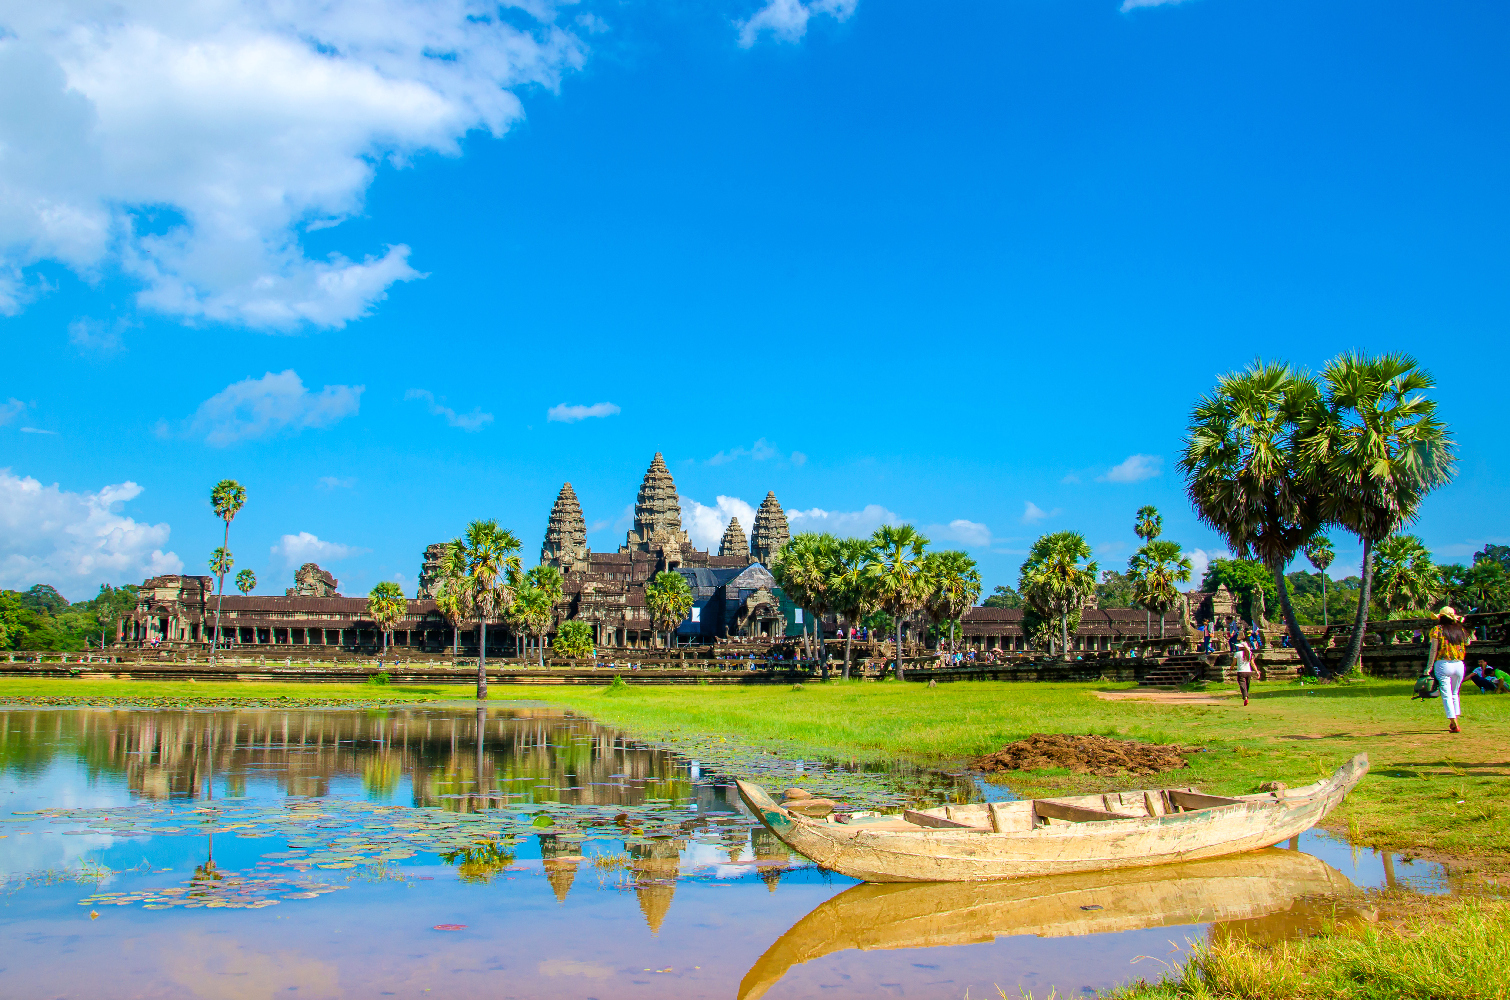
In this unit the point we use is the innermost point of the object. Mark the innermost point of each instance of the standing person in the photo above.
(1449, 647)
(1243, 654)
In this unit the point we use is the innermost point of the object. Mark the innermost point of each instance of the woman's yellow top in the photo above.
(1448, 650)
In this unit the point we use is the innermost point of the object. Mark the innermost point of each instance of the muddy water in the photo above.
(518, 852)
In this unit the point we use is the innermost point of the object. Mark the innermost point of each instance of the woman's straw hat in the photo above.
(1448, 611)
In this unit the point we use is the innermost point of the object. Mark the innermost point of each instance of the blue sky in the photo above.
(963, 264)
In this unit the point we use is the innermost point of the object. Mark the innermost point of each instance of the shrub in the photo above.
(575, 640)
(378, 679)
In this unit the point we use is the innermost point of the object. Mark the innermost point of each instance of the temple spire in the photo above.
(565, 545)
(734, 543)
(771, 533)
(657, 513)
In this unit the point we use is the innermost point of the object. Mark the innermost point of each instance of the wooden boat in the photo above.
(1034, 837)
(1270, 894)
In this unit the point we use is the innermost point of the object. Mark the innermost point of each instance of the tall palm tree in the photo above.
(487, 558)
(1053, 580)
(548, 581)
(670, 601)
(854, 591)
(226, 500)
(531, 612)
(387, 606)
(1406, 577)
(1148, 524)
(246, 582)
(1249, 477)
(221, 563)
(809, 569)
(1155, 569)
(954, 586)
(1319, 552)
(450, 601)
(1381, 448)
(1486, 586)
(898, 575)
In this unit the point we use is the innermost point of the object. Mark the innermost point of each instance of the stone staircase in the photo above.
(1177, 670)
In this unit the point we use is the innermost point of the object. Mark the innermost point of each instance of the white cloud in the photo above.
(1199, 560)
(1128, 5)
(76, 541)
(10, 410)
(190, 146)
(625, 520)
(705, 525)
(296, 550)
(760, 451)
(36, 430)
(97, 338)
(565, 414)
(1133, 469)
(787, 19)
(336, 482)
(970, 533)
(1032, 513)
(257, 408)
(845, 524)
(474, 421)
(798, 458)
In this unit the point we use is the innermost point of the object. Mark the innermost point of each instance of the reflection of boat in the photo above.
(1054, 836)
(1256, 888)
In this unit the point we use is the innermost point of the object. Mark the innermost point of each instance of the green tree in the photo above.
(1003, 597)
(1250, 582)
(1378, 446)
(1405, 577)
(246, 582)
(11, 627)
(1057, 578)
(451, 602)
(226, 500)
(530, 612)
(387, 606)
(1319, 553)
(1486, 586)
(1115, 591)
(486, 558)
(1248, 477)
(953, 586)
(855, 595)
(669, 600)
(809, 569)
(547, 579)
(1148, 523)
(896, 572)
(575, 639)
(1155, 569)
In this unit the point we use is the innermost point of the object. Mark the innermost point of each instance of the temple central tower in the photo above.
(657, 514)
(565, 544)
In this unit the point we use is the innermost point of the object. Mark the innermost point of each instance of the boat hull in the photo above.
(972, 855)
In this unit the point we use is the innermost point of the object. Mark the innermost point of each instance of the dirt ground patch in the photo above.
(1099, 755)
(1167, 697)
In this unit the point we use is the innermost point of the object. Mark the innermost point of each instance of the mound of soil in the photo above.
(1098, 755)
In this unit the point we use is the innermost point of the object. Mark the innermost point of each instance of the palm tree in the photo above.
(809, 569)
(898, 575)
(531, 613)
(954, 588)
(226, 500)
(670, 601)
(221, 563)
(485, 558)
(1249, 477)
(547, 580)
(1406, 576)
(387, 606)
(1155, 569)
(1053, 580)
(854, 593)
(1486, 586)
(1377, 441)
(1320, 553)
(1148, 524)
(246, 582)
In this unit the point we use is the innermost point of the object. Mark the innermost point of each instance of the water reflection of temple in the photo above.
(456, 760)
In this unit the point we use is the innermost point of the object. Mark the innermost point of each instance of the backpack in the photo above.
(1426, 687)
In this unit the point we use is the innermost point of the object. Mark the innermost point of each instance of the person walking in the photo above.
(1243, 656)
(1449, 647)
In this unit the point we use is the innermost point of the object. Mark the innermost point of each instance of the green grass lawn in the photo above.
(1428, 790)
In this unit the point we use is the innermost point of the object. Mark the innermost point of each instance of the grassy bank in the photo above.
(1428, 790)
(1458, 949)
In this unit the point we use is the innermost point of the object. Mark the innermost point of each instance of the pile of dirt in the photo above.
(1098, 755)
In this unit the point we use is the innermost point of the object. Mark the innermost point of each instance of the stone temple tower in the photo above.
(657, 514)
(734, 543)
(565, 544)
(771, 532)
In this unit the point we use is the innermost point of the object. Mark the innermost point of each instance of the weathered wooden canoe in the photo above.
(1270, 894)
(1000, 840)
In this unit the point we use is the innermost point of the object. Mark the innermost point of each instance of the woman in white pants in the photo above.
(1449, 648)
(1244, 657)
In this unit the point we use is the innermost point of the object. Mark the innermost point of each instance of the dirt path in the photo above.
(1168, 697)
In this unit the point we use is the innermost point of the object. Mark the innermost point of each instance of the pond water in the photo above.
(516, 851)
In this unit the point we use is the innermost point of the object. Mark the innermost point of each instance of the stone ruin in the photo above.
(565, 545)
(734, 543)
(312, 581)
(771, 532)
(430, 570)
(657, 514)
